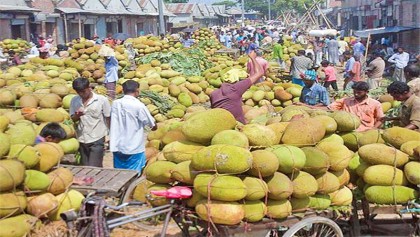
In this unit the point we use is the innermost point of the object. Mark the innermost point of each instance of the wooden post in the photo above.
(80, 27)
(366, 53)
(66, 29)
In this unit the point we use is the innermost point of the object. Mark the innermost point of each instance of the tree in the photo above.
(227, 3)
(278, 6)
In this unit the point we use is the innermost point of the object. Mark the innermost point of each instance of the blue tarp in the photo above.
(383, 30)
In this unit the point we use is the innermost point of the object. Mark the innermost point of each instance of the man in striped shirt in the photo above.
(300, 64)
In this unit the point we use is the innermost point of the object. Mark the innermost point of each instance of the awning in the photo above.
(383, 30)
(71, 10)
(223, 15)
(10, 8)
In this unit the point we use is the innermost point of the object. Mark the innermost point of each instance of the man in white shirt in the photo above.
(400, 59)
(91, 113)
(127, 141)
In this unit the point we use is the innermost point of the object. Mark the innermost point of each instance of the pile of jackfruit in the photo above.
(282, 163)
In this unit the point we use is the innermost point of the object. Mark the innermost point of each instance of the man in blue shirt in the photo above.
(313, 94)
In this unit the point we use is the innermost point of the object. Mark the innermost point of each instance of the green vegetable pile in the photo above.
(190, 62)
(164, 103)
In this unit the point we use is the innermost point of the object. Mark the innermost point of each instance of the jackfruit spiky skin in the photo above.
(256, 188)
(317, 161)
(230, 137)
(390, 194)
(279, 186)
(254, 210)
(290, 158)
(384, 175)
(304, 185)
(278, 209)
(412, 172)
(396, 136)
(222, 188)
(264, 163)
(377, 154)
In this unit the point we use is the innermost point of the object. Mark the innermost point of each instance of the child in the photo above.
(52, 132)
(330, 77)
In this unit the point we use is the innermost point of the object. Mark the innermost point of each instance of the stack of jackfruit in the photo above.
(279, 164)
(31, 186)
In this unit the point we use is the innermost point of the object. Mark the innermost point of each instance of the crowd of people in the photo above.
(316, 68)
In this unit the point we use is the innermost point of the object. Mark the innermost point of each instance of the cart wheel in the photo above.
(315, 227)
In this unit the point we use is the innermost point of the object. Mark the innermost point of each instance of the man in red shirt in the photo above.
(229, 96)
(261, 61)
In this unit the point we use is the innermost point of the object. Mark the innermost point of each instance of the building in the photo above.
(399, 18)
(236, 14)
(194, 14)
(15, 19)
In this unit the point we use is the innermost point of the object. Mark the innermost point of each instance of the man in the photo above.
(375, 70)
(400, 59)
(313, 94)
(229, 96)
(278, 53)
(91, 113)
(186, 41)
(252, 46)
(358, 48)
(342, 46)
(348, 67)
(318, 44)
(129, 116)
(410, 111)
(222, 38)
(333, 51)
(412, 73)
(299, 64)
(367, 109)
(111, 75)
(261, 61)
(228, 40)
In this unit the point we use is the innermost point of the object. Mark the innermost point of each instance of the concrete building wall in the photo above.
(5, 29)
(181, 18)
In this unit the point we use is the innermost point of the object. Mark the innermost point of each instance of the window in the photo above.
(120, 26)
(140, 29)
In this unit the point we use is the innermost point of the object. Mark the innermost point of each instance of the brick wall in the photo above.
(5, 29)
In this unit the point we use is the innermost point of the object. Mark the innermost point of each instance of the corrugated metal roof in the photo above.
(180, 8)
(17, 8)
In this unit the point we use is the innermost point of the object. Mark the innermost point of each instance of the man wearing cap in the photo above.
(313, 94)
(229, 95)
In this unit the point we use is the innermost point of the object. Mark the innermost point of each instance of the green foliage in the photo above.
(278, 6)
(227, 3)
(175, 1)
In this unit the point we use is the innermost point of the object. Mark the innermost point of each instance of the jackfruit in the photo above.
(303, 132)
(384, 175)
(224, 213)
(341, 197)
(27, 154)
(396, 136)
(346, 121)
(339, 155)
(222, 188)
(319, 201)
(304, 184)
(264, 163)
(279, 186)
(327, 183)
(369, 137)
(201, 127)
(317, 161)
(254, 210)
(291, 158)
(183, 172)
(408, 147)
(377, 154)
(412, 172)
(256, 188)
(329, 123)
(160, 172)
(259, 135)
(279, 209)
(180, 151)
(230, 137)
(390, 194)
(12, 173)
(36, 180)
(224, 158)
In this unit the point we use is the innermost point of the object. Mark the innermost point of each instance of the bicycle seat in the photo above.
(177, 192)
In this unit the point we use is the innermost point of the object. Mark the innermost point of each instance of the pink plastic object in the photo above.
(177, 192)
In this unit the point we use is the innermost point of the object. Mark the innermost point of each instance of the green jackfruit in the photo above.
(12, 173)
(300, 204)
(303, 132)
(185, 99)
(180, 151)
(333, 138)
(279, 209)
(201, 127)
(329, 123)
(160, 172)
(12, 203)
(412, 172)
(230, 137)
(22, 133)
(222, 188)
(224, 158)
(408, 147)
(319, 201)
(256, 188)
(290, 158)
(36, 180)
(384, 175)
(183, 172)
(341, 197)
(396, 136)
(346, 121)
(327, 183)
(317, 161)
(17, 226)
(279, 186)
(339, 155)
(343, 176)
(370, 136)
(304, 184)
(254, 210)
(351, 140)
(259, 135)
(264, 163)
(377, 154)
(4, 144)
(390, 194)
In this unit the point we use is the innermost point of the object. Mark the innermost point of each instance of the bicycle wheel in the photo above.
(137, 191)
(315, 227)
